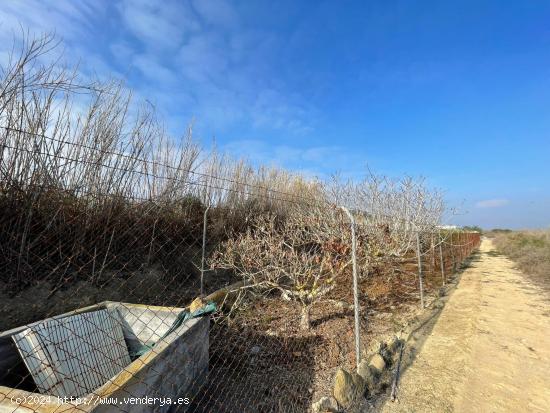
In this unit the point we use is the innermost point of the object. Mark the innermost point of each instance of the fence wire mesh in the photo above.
(108, 259)
(140, 275)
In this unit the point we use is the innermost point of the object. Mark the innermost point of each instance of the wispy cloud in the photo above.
(157, 26)
(205, 51)
(68, 18)
(492, 203)
(201, 50)
(216, 12)
(310, 160)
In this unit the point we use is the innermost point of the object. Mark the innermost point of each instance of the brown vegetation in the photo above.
(530, 250)
(92, 187)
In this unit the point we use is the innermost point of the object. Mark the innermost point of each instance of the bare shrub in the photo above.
(298, 254)
(530, 250)
(389, 213)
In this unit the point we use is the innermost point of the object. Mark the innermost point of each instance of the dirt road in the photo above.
(489, 350)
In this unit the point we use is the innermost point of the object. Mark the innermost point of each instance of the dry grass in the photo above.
(530, 250)
(91, 185)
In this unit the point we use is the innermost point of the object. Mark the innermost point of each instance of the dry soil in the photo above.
(489, 350)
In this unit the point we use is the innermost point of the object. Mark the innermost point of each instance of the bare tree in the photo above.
(299, 254)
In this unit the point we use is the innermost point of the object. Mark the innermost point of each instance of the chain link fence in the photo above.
(138, 275)
(106, 295)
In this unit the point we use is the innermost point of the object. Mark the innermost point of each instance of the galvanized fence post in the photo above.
(441, 262)
(432, 253)
(418, 254)
(203, 248)
(453, 259)
(465, 247)
(355, 285)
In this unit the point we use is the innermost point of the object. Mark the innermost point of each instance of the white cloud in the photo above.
(199, 59)
(216, 12)
(273, 109)
(122, 51)
(492, 203)
(158, 25)
(69, 19)
(313, 159)
(153, 70)
(218, 60)
(71, 22)
(204, 58)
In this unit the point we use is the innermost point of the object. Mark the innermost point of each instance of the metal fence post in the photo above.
(203, 248)
(453, 263)
(442, 263)
(432, 253)
(355, 285)
(464, 247)
(461, 246)
(418, 253)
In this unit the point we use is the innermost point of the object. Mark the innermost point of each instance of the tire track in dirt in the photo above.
(489, 350)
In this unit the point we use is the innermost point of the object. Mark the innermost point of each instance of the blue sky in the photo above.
(458, 92)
